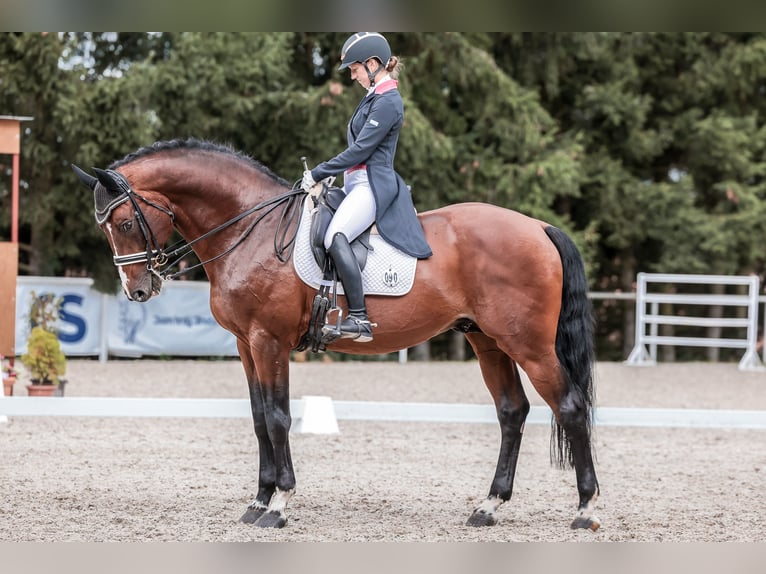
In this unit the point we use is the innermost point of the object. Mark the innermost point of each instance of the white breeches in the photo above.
(356, 212)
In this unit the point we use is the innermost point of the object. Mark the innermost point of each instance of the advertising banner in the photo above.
(177, 322)
(79, 328)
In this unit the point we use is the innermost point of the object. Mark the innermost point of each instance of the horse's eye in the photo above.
(126, 226)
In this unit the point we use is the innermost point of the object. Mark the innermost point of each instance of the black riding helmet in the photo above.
(362, 46)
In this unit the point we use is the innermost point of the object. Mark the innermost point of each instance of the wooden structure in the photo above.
(9, 257)
(10, 143)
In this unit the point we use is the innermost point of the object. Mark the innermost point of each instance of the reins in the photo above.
(283, 245)
(157, 258)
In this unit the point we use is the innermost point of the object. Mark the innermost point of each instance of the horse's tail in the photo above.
(574, 341)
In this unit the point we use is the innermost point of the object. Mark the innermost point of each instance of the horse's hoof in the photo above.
(591, 523)
(272, 520)
(252, 514)
(481, 518)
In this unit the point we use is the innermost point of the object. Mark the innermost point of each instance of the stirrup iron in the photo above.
(331, 331)
(334, 330)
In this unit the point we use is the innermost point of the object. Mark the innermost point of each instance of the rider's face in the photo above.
(359, 74)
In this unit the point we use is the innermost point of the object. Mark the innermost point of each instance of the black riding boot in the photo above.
(356, 325)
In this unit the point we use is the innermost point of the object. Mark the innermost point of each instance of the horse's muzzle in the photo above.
(149, 286)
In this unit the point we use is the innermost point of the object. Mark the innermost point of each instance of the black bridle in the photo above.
(160, 261)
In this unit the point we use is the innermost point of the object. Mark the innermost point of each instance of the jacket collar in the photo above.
(387, 84)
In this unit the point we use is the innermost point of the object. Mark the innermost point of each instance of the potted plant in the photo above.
(44, 358)
(8, 375)
(45, 361)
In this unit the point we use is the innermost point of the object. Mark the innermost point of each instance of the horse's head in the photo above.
(135, 235)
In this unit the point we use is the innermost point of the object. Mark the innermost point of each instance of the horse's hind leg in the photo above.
(502, 379)
(571, 439)
(573, 417)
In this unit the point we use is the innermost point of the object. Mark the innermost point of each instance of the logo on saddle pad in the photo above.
(391, 278)
(388, 270)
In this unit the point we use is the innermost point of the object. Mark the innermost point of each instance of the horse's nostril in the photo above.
(139, 296)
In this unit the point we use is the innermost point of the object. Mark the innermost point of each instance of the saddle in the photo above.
(325, 206)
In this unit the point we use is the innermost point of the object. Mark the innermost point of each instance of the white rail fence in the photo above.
(319, 415)
(645, 349)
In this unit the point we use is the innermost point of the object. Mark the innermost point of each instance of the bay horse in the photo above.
(515, 285)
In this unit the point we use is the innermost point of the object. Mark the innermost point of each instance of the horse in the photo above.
(515, 285)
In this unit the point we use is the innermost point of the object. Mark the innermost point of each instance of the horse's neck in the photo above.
(203, 199)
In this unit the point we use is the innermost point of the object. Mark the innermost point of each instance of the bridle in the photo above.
(160, 261)
(154, 253)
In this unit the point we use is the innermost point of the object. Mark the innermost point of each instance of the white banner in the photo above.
(177, 322)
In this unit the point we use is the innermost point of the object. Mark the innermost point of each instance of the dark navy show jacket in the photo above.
(373, 133)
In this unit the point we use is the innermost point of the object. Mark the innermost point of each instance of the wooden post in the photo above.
(9, 261)
(10, 143)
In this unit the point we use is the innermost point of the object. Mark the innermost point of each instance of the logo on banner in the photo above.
(75, 325)
(132, 318)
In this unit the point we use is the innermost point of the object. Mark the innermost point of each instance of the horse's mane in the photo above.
(196, 144)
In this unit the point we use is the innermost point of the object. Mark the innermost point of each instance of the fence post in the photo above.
(750, 360)
(639, 355)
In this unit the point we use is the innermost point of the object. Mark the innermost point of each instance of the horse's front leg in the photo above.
(270, 398)
(266, 468)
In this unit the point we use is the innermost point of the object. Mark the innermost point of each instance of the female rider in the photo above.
(374, 191)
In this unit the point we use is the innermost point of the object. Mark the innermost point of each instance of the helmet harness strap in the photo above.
(371, 75)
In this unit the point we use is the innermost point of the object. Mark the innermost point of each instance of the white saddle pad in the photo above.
(388, 271)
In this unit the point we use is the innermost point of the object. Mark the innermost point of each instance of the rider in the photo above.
(374, 191)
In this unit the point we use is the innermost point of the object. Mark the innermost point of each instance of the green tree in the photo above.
(671, 126)
(77, 118)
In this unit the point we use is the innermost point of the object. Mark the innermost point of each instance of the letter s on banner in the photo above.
(77, 328)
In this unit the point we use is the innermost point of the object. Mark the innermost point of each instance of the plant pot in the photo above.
(8, 386)
(34, 390)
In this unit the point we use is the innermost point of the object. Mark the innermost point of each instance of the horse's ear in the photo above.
(87, 180)
(107, 180)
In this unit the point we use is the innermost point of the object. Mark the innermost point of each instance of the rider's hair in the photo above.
(394, 66)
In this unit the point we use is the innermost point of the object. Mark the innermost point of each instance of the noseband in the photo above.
(156, 257)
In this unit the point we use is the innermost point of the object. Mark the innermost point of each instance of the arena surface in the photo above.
(175, 479)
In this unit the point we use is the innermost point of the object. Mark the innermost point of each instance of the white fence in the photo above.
(84, 315)
(319, 415)
(645, 350)
(644, 353)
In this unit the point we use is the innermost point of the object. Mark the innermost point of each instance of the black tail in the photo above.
(574, 340)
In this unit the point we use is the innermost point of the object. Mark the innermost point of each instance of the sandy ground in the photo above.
(161, 479)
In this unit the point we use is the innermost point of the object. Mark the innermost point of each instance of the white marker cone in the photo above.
(318, 416)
